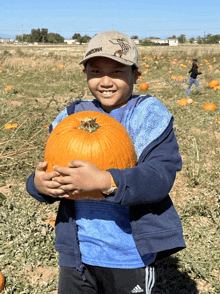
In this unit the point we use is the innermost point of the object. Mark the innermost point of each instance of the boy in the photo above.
(109, 246)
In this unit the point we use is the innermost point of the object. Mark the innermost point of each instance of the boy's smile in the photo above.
(110, 82)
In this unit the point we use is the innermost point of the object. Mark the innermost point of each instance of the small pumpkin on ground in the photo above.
(51, 221)
(189, 101)
(144, 86)
(209, 106)
(9, 87)
(183, 102)
(2, 282)
(218, 120)
(10, 126)
(180, 78)
(94, 137)
(213, 83)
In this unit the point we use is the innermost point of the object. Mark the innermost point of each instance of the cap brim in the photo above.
(116, 58)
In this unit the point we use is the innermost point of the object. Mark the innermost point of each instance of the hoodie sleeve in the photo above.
(153, 177)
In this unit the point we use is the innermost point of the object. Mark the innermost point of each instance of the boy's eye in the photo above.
(95, 71)
(118, 71)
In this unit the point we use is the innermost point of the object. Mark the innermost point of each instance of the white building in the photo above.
(70, 41)
(136, 41)
(6, 40)
(165, 42)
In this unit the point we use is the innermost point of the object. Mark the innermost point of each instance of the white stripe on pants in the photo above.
(150, 278)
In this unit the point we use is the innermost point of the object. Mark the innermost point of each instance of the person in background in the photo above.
(193, 77)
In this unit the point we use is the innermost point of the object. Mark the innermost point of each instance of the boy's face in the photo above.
(110, 82)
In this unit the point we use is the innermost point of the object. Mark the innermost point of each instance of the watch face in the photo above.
(112, 190)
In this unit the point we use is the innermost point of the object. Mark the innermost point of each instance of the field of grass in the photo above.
(41, 89)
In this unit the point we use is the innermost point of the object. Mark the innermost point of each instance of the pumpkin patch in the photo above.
(27, 241)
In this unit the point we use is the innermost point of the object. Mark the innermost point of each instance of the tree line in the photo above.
(207, 39)
(42, 36)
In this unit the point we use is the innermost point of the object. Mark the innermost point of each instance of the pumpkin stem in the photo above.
(89, 125)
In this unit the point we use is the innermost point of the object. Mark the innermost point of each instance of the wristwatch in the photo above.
(113, 188)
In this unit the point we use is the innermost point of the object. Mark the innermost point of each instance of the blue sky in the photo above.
(162, 19)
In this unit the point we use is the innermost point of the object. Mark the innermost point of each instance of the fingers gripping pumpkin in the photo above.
(91, 136)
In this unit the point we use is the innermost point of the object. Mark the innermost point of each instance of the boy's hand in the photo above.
(43, 181)
(81, 176)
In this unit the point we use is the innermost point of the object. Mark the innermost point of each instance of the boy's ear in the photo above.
(137, 74)
(84, 70)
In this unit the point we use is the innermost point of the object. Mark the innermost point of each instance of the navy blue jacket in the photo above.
(156, 226)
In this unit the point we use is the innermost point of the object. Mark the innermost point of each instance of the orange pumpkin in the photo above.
(2, 282)
(10, 126)
(61, 66)
(180, 78)
(144, 86)
(213, 83)
(94, 137)
(209, 106)
(9, 87)
(218, 120)
(183, 102)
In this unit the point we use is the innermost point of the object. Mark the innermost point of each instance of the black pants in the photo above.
(100, 280)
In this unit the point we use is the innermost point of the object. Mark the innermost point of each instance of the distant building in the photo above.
(70, 41)
(165, 42)
(136, 41)
(6, 40)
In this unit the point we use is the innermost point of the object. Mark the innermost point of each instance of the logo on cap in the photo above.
(124, 47)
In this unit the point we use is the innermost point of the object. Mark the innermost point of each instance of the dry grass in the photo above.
(41, 90)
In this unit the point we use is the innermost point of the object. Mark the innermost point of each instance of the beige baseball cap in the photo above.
(113, 45)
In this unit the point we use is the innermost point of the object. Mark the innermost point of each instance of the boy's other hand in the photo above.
(43, 181)
(81, 176)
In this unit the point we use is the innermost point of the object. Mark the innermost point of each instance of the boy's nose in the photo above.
(106, 81)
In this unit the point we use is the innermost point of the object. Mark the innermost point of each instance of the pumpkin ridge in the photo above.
(122, 154)
(112, 150)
